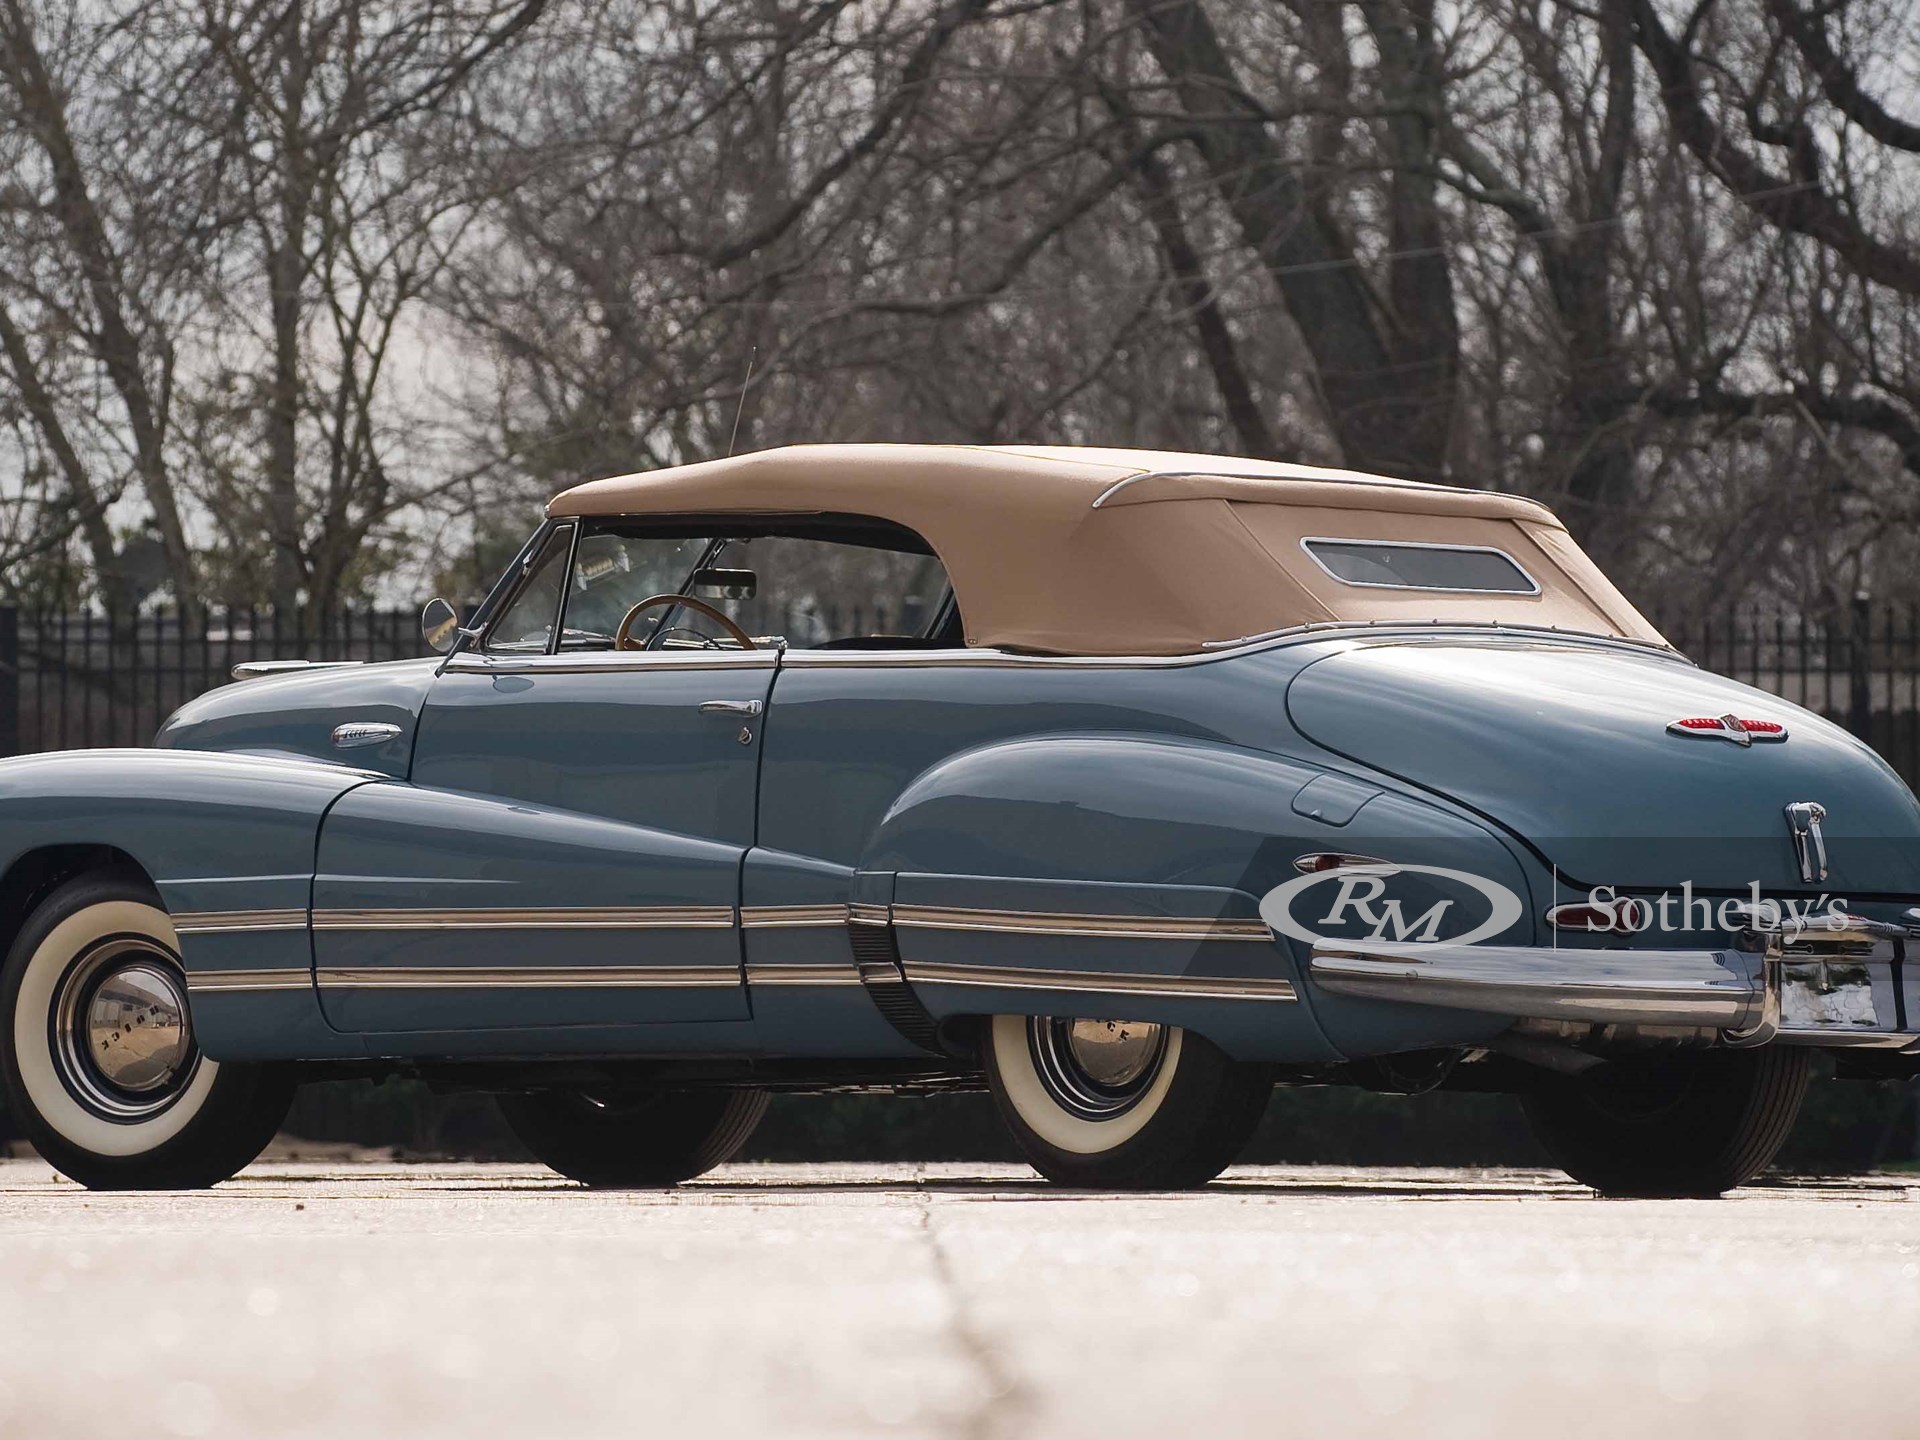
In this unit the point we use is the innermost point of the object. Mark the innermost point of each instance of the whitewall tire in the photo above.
(1112, 1104)
(97, 1052)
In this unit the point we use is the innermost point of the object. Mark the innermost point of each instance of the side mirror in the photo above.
(718, 584)
(440, 626)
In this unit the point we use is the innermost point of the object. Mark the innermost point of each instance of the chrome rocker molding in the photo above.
(650, 917)
(529, 977)
(1101, 982)
(1801, 982)
(234, 922)
(798, 973)
(791, 917)
(1101, 927)
(249, 982)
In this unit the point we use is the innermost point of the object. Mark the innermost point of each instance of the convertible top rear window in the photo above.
(1410, 565)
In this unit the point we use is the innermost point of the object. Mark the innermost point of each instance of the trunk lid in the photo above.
(1566, 744)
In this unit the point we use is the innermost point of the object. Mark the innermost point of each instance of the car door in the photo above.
(568, 850)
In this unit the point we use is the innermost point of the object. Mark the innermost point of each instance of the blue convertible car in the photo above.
(1126, 784)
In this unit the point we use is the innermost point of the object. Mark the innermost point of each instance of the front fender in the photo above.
(229, 841)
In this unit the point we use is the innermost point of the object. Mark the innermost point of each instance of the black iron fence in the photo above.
(74, 681)
(1861, 671)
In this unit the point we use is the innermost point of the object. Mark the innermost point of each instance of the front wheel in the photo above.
(632, 1140)
(102, 1073)
(1121, 1105)
(1682, 1125)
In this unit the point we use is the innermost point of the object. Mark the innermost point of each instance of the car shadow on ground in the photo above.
(380, 1174)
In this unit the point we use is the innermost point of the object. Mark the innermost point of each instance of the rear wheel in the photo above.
(633, 1140)
(1682, 1125)
(101, 1069)
(1121, 1105)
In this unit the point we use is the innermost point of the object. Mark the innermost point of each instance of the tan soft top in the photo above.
(1087, 551)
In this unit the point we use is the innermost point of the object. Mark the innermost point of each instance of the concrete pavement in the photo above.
(317, 1298)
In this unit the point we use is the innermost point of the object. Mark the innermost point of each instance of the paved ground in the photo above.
(366, 1301)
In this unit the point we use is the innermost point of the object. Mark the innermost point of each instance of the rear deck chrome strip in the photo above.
(650, 917)
(1103, 927)
(528, 977)
(1102, 982)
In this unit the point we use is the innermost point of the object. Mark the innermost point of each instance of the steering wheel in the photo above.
(623, 637)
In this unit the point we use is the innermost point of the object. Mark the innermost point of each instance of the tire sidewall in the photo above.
(54, 939)
(1016, 1079)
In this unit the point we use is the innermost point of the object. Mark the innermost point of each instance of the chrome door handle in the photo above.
(357, 733)
(730, 707)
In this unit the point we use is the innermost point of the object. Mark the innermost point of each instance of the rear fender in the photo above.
(1103, 875)
(1119, 877)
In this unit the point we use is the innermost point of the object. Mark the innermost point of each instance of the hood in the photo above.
(296, 713)
(1566, 745)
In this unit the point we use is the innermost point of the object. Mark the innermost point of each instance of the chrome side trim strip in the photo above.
(256, 669)
(611, 662)
(1722, 988)
(230, 982)
(1102, 982)
(864, 914)
(226, 922)
(808, 974)
(528, 977)
(1106, 927)
(789, 917)
(1210, 650)
(650, 917)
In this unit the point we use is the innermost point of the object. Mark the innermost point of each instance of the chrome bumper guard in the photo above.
(1803, 982)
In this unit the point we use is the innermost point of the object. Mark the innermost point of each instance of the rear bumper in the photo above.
(1803, 984)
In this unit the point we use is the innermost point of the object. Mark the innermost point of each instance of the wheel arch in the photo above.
(35, 874)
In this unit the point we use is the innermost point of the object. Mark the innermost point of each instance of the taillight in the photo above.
(1319, 860)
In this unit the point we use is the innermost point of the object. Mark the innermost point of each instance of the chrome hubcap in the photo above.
(122, 1033)
(1096, 1068)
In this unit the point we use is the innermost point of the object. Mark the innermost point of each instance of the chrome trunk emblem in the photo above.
(1742, 732)
(1809, 845)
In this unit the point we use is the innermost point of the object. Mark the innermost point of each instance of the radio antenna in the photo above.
(741, 407)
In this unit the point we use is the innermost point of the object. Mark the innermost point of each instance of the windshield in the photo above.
(613, 573)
